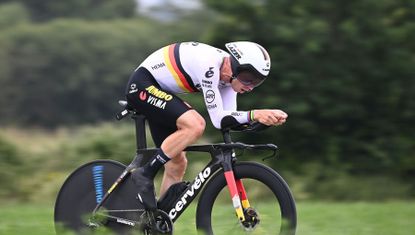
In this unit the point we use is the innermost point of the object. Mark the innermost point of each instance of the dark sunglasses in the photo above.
(249, 79)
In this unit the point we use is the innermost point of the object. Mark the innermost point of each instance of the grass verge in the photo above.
(314, 218)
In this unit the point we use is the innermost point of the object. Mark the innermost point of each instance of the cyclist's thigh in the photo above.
(160, 132)
(161, 107)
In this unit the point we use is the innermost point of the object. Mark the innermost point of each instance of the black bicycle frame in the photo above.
(222, 158)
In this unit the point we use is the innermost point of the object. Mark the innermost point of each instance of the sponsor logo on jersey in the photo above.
(150, 99)
(157, 66)
(159, 103)
(211, 106)
(236, 114)
(143, 95)
(133, 88)
(158, 93)
(209, 73)
(210, 96)
(206, 83)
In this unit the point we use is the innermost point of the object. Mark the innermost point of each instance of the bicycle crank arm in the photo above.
(100, 219)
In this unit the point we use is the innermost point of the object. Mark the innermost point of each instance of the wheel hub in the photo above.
(251, 219)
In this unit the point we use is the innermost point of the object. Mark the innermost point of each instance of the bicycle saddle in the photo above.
(128, 109)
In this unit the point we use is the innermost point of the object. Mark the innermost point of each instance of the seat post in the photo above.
(140, 131)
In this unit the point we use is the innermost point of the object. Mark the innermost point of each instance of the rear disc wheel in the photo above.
(84, 189)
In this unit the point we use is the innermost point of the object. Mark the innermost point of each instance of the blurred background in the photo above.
(343, 71)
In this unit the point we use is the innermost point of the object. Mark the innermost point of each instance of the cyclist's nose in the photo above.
(245, 89)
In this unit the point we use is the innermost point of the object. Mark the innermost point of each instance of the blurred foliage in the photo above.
(10, 161)
(34, 165)
(71, 67)
(12, 14)
(342, 70)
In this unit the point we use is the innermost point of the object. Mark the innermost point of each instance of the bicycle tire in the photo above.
(83, 189)
(259, 174)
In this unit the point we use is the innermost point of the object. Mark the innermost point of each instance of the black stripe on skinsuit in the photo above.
(179, 65)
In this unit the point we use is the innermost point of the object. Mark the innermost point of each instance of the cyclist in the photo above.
(174, 124)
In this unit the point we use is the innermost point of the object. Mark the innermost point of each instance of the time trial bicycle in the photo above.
(99, 195)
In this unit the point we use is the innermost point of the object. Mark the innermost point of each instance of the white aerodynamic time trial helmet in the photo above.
(251, 57)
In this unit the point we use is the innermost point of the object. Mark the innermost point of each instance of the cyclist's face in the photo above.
(241, 87)
(245, 82)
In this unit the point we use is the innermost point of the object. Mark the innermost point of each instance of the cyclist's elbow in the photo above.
(217, 123)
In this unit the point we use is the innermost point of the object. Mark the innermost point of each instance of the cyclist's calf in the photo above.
(176, 167)
(174, 171)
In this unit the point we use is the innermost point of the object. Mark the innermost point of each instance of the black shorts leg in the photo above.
(160, 132)
(161, 107)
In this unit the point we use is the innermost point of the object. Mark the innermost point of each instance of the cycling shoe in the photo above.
(166, 201)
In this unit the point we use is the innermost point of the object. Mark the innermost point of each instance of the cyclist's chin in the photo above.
(242, 91)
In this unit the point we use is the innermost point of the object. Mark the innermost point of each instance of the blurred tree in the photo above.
(342, 70)
(73, 71)
(69, 67)
(9, 162)
(12, 14)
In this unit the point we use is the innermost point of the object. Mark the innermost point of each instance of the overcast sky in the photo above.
(145, 4)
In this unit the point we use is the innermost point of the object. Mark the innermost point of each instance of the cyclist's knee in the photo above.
(192, 122)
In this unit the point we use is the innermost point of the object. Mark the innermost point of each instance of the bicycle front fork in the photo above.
(238, 194)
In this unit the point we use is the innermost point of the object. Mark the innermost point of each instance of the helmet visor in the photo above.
(250, 79)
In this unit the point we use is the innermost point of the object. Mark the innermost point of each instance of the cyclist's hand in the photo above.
(270, 117)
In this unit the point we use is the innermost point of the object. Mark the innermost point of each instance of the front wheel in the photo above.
(272, 207)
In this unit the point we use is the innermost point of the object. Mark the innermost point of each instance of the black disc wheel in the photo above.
(84, 189)
(271, 211)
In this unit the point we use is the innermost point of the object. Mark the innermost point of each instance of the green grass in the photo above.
(391, 218)
(314, 218)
